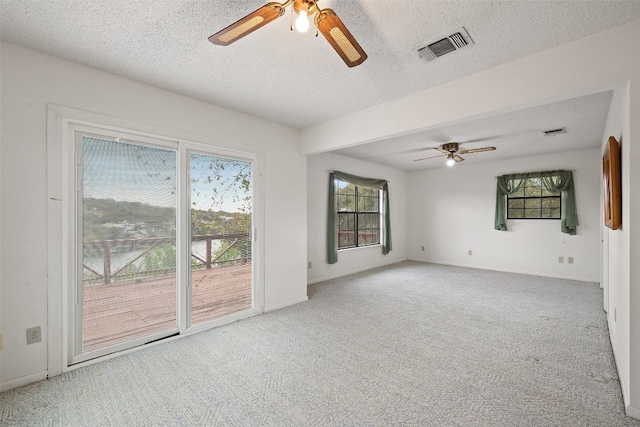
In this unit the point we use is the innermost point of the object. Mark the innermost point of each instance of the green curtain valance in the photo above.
(559, 181)
(332, 220)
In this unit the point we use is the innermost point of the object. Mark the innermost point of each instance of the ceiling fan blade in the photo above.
(442, 150)
(425, 158)
(340, 38)
(248, 24)
(476, 150)
(458, 158)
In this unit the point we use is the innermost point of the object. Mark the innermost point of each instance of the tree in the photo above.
(162, 257)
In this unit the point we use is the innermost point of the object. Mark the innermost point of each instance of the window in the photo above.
(532, 201)
(358, 211)
(358, 214)
(548, 194)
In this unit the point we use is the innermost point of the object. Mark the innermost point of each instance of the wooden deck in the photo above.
(123, 311)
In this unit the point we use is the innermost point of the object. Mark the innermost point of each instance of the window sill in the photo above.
(360, 248)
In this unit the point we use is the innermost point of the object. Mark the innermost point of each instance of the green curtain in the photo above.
(332, 222)
(561, 180)
(507, 184)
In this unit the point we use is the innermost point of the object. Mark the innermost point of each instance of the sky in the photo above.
(127, 171)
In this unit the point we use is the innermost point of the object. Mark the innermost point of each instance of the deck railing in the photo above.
(128, 271)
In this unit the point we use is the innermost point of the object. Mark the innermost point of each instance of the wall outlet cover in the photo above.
(34, 335)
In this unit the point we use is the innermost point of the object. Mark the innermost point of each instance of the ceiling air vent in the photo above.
(554, 131)
(445, 44)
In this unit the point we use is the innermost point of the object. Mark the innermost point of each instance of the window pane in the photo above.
(346, 197)
(515, 203)
(531, 190)
(519, 193)
(551, 202)
(368, 200)
(129, 236)
(370, 237)
(221, 250)
(551, 213)
(532, 203)
(515, 213)
(532, 213)
(367, 192)
(368, 229)
(368, 204)
(346, 230)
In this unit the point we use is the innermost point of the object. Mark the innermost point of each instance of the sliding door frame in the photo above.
(257, 303)
(76, 297)
(62, 124)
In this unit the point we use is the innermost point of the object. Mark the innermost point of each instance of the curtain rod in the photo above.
(523, 173)
(382, 179)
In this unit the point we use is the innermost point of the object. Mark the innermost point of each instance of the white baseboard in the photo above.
(625, 395)
(530, 273)
(354, 271)
(506, 270)
(286, 304)
(19, 382)
(633, 412)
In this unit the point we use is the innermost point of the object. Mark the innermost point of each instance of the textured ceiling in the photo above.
(514, 134)
(298, 79)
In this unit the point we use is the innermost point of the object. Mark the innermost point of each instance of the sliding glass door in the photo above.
(163, 241)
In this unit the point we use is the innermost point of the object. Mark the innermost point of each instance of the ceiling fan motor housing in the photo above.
(451, 147)
(308, 6)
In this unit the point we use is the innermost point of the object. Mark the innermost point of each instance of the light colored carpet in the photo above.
(412, 344)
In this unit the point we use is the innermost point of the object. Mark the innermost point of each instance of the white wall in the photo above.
(30, 81)
(351, 260)
(452, 209)
(616, 262)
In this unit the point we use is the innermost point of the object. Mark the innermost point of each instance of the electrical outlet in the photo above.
(33, 335)
(570, 260)
(560, 259)
(615, 315)
(470, 252)
(309, 265)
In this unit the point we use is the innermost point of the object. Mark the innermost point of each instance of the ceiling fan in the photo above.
(326, 21)
(452, 151)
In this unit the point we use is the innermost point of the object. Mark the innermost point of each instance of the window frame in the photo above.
(357, 214)
(526, 198)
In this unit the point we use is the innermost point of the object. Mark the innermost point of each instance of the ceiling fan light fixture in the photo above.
(326, 22)
(303, 8)
(302, 23)
(452, 151)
